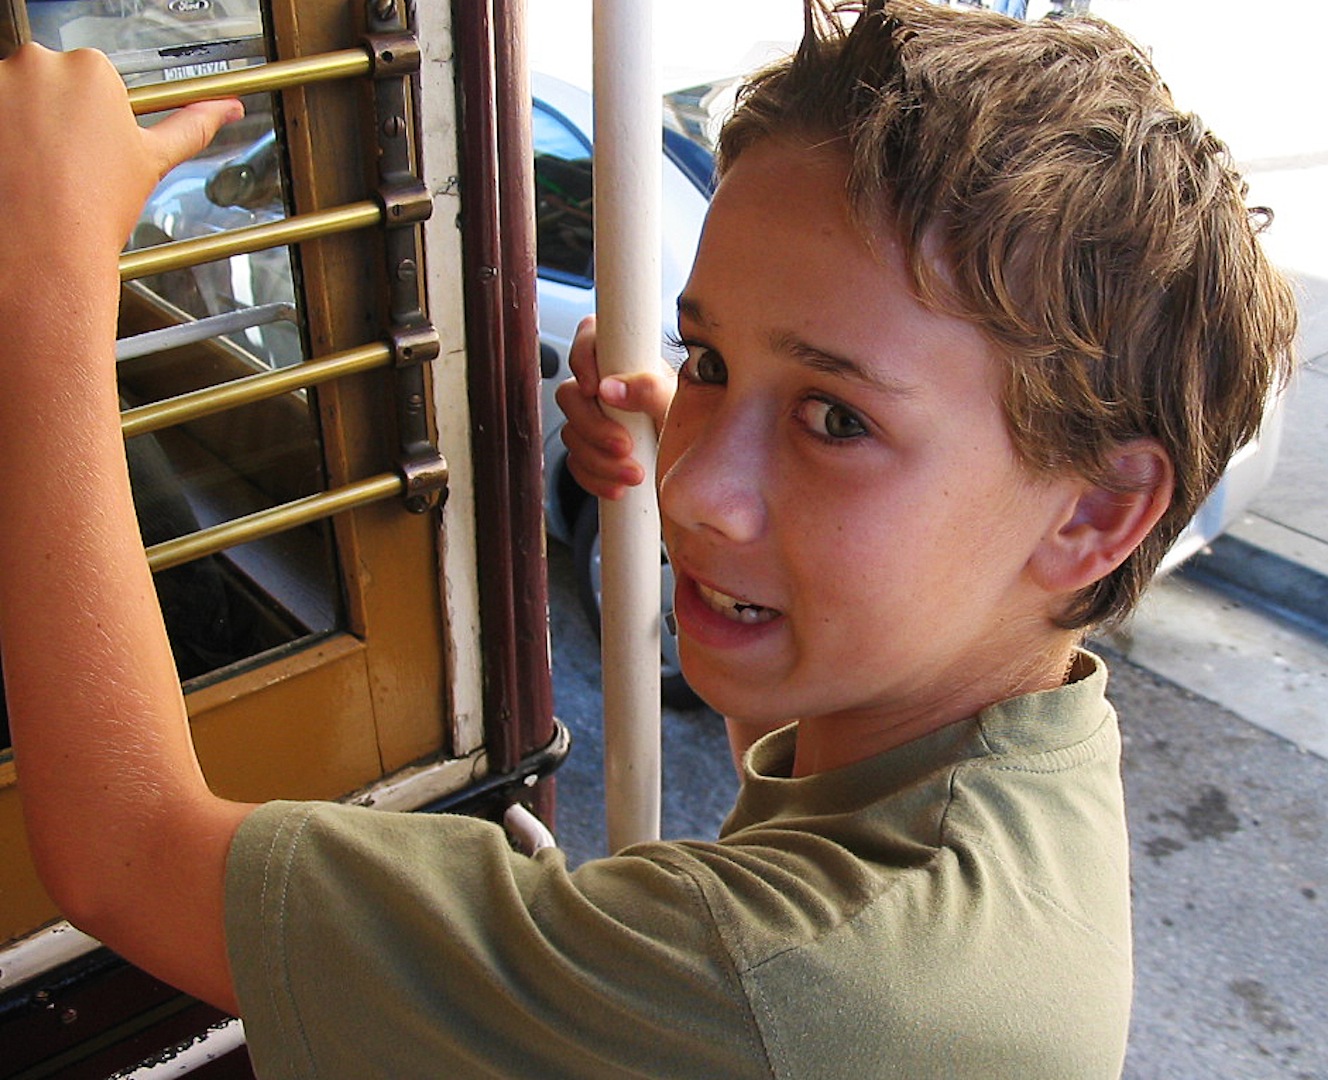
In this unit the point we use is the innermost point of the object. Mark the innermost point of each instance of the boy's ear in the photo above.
(1100, 526)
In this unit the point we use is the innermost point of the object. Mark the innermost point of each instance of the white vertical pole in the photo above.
(628, 134)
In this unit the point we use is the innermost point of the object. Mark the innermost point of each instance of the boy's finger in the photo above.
(599, 449)
(582, 359)
(184, 133)
(603, 484)
(585, 417)
(614, 391)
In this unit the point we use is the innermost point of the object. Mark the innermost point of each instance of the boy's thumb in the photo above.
(184, 133)
(642, 392)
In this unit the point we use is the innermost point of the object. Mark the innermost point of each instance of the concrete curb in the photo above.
(1287, 586)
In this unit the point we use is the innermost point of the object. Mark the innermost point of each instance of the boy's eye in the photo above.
(702, 365)
(709, 368)
(831, 421)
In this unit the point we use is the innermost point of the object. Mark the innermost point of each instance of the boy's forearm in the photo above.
(89, 681)
(100, 733)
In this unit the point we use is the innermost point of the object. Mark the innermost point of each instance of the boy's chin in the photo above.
(752, 707)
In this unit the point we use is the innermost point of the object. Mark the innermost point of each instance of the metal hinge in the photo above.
(406, 203)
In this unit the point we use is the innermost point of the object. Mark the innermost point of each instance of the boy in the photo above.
(963, 350)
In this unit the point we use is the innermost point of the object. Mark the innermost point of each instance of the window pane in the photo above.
(564, 192)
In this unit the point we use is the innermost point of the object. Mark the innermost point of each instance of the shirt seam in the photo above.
(736, 971)
(283, 866)
(950, 834)
(1069, 755)
(1034, 889)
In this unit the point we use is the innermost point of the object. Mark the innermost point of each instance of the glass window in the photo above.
(564, 193)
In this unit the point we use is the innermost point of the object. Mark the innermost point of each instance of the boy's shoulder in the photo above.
(977, 907)
(1022, 804)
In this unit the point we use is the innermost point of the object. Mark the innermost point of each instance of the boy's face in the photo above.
(848, 523)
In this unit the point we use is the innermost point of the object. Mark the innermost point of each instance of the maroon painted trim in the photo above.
(497, 193)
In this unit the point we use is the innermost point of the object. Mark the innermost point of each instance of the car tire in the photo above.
(673, 688)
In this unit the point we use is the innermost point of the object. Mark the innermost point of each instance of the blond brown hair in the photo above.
(1098, 236)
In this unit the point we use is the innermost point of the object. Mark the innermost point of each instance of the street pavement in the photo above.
(1228, 834)
(1221, 679)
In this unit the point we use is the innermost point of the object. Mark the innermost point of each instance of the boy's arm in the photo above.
(124, 832)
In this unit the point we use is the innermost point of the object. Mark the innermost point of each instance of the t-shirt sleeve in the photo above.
(365, 943)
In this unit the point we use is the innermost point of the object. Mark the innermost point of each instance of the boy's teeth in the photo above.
(735, 609)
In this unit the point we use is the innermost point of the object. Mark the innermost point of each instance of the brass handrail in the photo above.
(178, 254)
(251, 388)
(274, 520)
(277, 75)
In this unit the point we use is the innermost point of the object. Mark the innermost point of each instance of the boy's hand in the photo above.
(70, 145)
(600, 448)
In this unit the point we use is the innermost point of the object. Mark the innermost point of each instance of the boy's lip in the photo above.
(696, 604)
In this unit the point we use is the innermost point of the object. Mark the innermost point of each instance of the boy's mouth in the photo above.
(733, 608)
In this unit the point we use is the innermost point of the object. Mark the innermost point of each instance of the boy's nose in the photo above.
(717, 483)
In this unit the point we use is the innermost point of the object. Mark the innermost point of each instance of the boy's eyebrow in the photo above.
(691, 309)
(843, 367)
(812, 356)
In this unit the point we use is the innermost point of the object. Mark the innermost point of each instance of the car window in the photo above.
(564, 192)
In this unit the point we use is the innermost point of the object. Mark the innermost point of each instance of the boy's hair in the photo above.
(1097, 236)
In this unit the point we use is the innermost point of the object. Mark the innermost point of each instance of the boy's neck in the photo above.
(830, 742)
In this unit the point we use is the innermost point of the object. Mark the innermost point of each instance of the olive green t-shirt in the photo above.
(957, 907)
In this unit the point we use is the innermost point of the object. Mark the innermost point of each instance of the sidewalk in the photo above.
(1278, 551)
